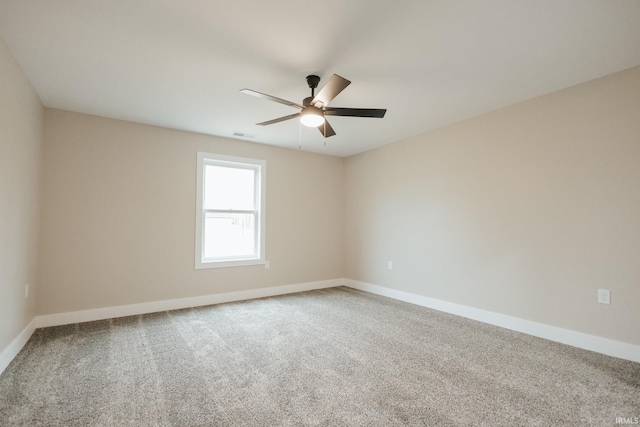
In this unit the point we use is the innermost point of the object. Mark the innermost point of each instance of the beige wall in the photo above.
(524, 211)
(119, 215)
(20, 153)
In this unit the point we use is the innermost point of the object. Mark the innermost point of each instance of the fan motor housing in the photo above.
(307, 101)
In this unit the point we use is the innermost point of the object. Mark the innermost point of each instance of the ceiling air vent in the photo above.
(244, 135)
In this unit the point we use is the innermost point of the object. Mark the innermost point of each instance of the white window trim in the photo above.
(261, 203)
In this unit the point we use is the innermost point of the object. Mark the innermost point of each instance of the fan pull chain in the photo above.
(324, 134)
(300, 135)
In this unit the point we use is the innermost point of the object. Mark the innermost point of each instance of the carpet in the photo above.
(332, 357)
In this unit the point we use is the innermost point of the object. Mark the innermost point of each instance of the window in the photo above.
(230, 211)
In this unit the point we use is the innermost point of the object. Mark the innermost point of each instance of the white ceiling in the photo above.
(181, 64)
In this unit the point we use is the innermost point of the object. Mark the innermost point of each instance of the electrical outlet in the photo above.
(267, 264)
(390, 265)
(26, 290)
(604, 296)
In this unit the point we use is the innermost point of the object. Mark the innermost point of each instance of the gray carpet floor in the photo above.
(334, 357)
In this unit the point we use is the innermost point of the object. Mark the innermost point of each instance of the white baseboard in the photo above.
(16, 345)
(12, 350)
(175, 304)
(552, 333)
(565, 336)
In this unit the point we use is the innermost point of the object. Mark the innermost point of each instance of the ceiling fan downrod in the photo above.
(312, 81)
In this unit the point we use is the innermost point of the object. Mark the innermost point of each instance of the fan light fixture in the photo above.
(311, 117)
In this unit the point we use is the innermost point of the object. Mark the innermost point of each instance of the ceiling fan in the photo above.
(314, 108)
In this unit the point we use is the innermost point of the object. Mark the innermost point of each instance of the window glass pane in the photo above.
(229, 188)
(229, 235)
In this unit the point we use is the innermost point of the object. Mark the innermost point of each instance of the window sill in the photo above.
(226, 264)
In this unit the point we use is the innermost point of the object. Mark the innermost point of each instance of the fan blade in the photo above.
(334, 86)
(326, 130)
(355, 112)
(281, 119)
(271, 98)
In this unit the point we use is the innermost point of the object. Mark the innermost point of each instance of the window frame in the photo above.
(260, 166)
